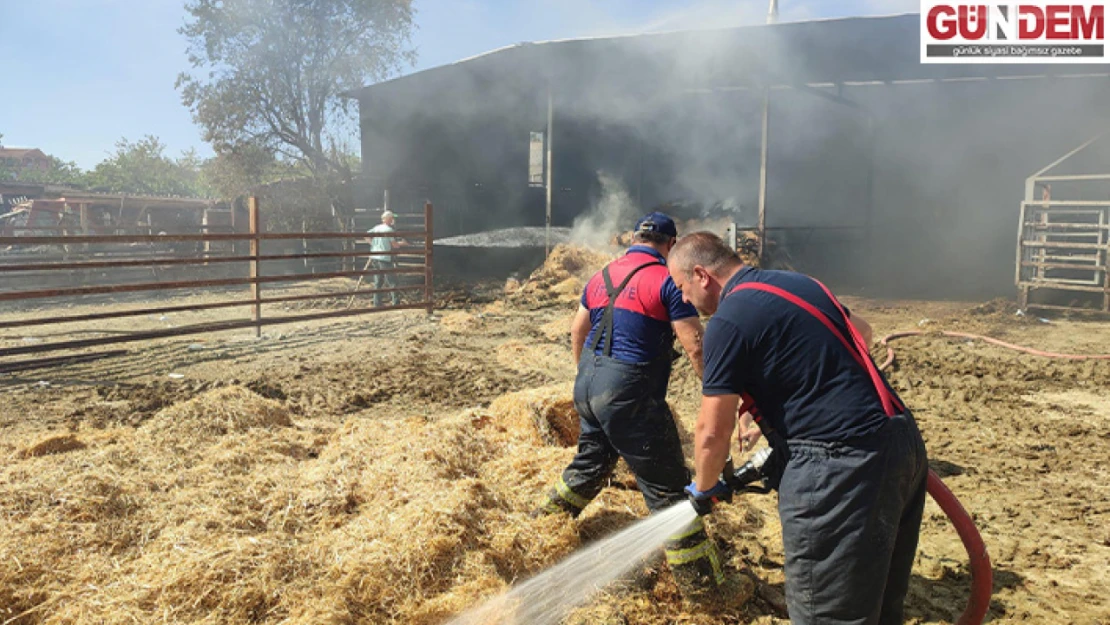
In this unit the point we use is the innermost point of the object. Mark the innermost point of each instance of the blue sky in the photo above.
(77, 75)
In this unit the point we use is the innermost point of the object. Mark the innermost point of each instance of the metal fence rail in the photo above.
(22, 269)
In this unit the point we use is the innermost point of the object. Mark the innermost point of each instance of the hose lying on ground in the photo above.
(981, 574)
(986, 339)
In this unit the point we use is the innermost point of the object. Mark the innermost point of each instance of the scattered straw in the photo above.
(458, 322)
(52, 445)
(557, 330)
(217, 511)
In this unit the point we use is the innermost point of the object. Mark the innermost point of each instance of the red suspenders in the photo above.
(857, 348)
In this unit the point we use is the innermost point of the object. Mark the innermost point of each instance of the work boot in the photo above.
(561, 499)
(695, 563)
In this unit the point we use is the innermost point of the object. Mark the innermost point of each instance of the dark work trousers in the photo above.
(851, 514)
(623, 413)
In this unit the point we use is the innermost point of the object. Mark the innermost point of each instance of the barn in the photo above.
(874, 170)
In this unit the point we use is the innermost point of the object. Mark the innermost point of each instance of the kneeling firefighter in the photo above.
(622, 338)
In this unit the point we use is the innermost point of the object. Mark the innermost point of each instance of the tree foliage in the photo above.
(63, 173)
(269, 74)
(141, 167)
(239, 171)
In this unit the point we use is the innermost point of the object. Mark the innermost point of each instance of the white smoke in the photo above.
(615, 212)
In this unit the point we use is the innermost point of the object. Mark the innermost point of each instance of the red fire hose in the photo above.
(985, 339)
(981, 574)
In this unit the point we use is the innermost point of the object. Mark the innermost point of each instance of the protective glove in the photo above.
(703, 501)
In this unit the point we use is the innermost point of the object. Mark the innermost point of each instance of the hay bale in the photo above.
(219, 412)
(544, 416)
(57, 444)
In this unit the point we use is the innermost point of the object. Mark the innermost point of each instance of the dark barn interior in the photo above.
(884, 175)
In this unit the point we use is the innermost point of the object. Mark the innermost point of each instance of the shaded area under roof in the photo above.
(848, 50)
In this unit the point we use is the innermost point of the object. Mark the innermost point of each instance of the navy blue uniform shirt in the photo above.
(644, 311)
(804, 381)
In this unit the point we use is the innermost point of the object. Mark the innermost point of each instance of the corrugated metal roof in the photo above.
(857, 50)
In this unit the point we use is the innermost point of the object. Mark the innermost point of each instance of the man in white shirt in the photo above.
(384, 261)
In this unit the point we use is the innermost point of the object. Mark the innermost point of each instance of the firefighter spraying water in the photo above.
(548, 597)
(845, 455)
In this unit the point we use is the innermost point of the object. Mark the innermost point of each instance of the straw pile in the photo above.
(562, 276)
(221, 509)
(775, 256)
(544, 416)
(218, 412)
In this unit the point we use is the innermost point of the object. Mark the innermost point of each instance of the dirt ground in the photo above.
(99, 528)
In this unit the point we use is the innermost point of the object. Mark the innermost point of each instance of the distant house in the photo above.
(24, 158)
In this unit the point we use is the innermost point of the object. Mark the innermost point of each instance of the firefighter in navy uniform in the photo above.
(623, 341)
(849, 462)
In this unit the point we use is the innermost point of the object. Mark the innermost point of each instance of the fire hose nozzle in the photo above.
(745, 478)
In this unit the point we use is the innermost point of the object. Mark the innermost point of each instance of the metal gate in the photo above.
(64, 264)
(1064, 247)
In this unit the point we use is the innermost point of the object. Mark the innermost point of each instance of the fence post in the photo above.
(256, 250)
(428, 256)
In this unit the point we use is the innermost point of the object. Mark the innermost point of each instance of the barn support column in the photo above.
(550, 169)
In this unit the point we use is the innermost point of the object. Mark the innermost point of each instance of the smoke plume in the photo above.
(613, 213)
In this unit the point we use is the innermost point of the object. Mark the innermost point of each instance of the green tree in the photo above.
(7, 171)
(63, 173)
(141, 167)
(269, 74)
(236, 172)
